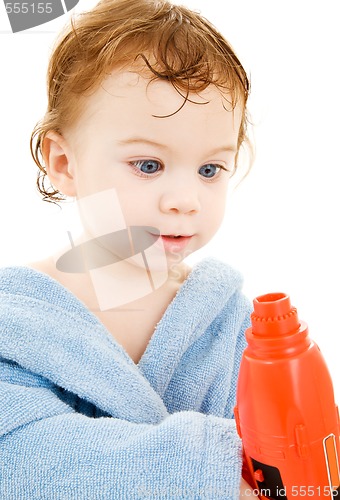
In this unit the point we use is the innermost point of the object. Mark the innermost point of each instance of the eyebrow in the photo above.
(223, 149)
(141, 140)
(149, 142)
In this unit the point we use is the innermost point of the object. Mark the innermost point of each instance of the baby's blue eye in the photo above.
(209, 170)
(147, 166)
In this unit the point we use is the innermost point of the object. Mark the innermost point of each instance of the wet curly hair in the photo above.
(174, 43)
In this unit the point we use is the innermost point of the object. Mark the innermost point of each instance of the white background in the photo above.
(281, 227)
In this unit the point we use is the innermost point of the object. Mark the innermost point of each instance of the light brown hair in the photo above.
(174, 43)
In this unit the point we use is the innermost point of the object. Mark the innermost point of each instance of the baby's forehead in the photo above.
(135, 101)
(142, 87)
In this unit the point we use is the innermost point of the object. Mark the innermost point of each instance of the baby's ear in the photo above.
(59, 163)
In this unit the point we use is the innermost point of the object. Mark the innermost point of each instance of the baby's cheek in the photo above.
(216, 212)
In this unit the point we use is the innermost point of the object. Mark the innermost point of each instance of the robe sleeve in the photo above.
(50, 451)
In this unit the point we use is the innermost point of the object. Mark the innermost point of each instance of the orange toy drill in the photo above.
(285, 413)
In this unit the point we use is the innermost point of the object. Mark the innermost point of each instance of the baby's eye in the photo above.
(209, 171)
(147, 166)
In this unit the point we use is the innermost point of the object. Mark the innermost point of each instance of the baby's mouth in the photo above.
(175, 237)
(175, 242)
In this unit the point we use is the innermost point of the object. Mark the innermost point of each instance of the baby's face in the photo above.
(149, 169)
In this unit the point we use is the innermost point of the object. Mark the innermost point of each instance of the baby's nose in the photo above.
(180, 199)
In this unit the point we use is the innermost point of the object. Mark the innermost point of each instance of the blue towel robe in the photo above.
(80, 420)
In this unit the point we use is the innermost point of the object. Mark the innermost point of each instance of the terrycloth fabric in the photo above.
(81, 421)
